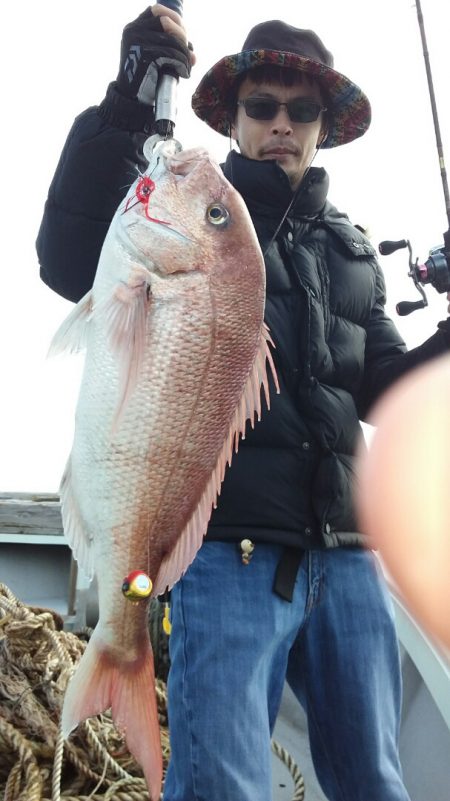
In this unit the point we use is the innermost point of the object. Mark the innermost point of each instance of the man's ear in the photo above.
(323, 131)
(232, 132)
(322, 136)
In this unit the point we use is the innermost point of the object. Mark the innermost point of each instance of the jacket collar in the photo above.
(265, 186)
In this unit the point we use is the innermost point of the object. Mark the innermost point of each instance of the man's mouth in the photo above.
(277, 151)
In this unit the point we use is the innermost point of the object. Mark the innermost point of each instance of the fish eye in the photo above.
(217, 214)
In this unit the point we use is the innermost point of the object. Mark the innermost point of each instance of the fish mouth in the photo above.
(167, 226)
(149, 222)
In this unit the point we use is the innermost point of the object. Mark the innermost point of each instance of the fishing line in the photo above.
(294, 198)
(231, 160)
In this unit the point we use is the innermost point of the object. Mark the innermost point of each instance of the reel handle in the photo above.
(405, 307)
(389, 246)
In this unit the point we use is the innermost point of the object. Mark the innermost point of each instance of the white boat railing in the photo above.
(429, 657)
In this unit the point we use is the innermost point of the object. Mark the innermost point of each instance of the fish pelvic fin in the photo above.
(124, 317)
(182, 554)
(101, 682)
(71, 335)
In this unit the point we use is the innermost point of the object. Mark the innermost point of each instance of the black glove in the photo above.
(444, 326)
(145, 49)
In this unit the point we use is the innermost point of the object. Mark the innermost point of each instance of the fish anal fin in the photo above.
(182, 554)
(71, 335)
(100, 682)
(75, 529)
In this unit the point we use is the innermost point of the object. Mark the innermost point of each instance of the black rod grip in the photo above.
(165, 105)
(175, 5)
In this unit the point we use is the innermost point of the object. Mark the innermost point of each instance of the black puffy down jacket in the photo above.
(336, 350)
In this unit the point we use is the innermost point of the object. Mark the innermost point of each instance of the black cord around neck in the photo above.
(294, 198)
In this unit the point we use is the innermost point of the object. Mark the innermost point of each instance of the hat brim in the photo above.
(349, 112)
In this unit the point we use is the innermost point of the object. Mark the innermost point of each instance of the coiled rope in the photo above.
(37, 658)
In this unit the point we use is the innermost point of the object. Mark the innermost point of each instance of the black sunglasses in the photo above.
(266, 108)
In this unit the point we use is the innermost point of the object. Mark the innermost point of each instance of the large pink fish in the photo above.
(176, 353)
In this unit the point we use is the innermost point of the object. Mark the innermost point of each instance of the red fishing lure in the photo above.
(144, 188)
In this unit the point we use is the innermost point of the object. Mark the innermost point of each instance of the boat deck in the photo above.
(36, 564)
(291, 731)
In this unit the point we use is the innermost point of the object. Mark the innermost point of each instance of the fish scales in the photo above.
(176, 353)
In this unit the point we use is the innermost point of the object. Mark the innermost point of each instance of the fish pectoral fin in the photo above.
(100, 682)
(71, 335)
(124, 317)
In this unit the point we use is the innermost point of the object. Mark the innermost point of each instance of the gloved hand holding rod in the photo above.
(166, 90)
(154, 55)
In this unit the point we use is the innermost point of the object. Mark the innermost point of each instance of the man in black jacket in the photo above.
(282, 587)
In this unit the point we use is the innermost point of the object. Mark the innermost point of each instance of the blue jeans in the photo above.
(233, 644)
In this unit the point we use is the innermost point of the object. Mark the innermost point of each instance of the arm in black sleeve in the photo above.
(102, 156)
(97, 165)
(386, 355)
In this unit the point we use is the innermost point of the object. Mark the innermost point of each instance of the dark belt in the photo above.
(286, 572)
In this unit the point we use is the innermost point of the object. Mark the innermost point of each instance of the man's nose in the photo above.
(281, 123)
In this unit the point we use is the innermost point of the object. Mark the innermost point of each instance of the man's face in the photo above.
(291, 144)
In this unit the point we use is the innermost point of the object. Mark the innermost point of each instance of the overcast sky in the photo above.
(58, 58)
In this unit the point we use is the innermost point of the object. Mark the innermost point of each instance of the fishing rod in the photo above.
(166, 89)
(435, 117)
(436, 269)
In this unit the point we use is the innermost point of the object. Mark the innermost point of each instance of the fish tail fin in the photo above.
(100, 683)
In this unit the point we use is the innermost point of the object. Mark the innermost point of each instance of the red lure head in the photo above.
(144, 188)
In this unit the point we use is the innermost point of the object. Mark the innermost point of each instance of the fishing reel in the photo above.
(435, 271)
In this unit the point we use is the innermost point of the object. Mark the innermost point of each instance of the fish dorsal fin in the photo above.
(176, 562)
(123, 314)
(71, 335)
(74, 527)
